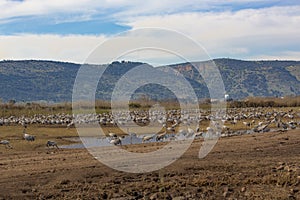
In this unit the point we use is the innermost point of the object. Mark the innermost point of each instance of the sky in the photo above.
(68, 30)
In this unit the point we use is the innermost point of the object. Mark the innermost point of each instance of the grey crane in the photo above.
(51, 144)
(6, 143)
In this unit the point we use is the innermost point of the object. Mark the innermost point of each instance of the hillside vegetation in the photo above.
(33, 80)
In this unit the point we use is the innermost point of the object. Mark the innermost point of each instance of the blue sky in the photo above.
(69, 30)
(47, 25)
(107, 20)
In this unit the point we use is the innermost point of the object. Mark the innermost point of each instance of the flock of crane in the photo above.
(29, 138)
(252, 119)
(49, 143)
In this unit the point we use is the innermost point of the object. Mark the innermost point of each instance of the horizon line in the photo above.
(213, 59)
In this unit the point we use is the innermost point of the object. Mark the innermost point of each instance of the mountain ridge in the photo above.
(52, 81)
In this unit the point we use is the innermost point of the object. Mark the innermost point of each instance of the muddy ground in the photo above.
(258, 166)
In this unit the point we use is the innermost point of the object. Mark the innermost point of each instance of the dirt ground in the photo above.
(258, 166)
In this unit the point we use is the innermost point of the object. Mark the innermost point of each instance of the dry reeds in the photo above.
(289, 101)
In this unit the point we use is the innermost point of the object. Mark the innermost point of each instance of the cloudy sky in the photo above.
(68, 30)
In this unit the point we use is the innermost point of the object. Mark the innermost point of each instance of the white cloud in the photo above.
(239, 34)
(114, 8)
(282, 55)
(250, 33)
(74, 48)
(37, 7)
(227, 24)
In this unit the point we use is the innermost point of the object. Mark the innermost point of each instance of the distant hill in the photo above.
(252, 78)
(33, 80)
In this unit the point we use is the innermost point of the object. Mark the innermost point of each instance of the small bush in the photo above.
(135, 105)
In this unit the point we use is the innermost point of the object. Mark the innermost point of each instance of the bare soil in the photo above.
(258, 166)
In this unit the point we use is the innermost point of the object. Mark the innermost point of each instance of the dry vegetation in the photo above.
(29, 109)
(292, 101)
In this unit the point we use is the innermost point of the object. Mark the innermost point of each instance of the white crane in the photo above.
(69, 125)
(247, 124)
(190, 132)
(116, 141)
(234, 122)
(172, 129)
(112, 135)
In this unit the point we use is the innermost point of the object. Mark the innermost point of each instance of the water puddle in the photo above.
(91, 142)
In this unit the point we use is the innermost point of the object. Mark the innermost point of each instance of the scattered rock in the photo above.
(168, 197)
(162, 189)
(226, 189)
(49, 196)
(282, 142)
(294, 190)
(51, 171)
(104, 195)
(25, 190)
(65, 182)
(281, 167)
(179, 198)
(117, 182)
(154, 196)
(287, 168)
(243, 189)
(291, 197)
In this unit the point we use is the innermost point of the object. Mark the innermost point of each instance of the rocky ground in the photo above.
(257, 166)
